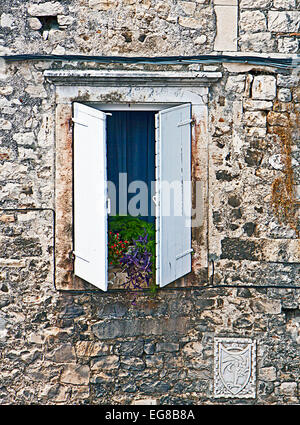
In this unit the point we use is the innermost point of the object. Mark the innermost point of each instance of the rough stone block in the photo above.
(92, 349)
(135, 327)
(7, 218)
(236, 84)
(20, 247)
(132, 363)
(188, 22)
(257, 4)
(188, 7)
(6, 90)
(287, 80)
(131, 348)
(284, 4)
(278, 119)
(288, 388)
(284, 95)
(252, 21)
(267, 373)
(46, 9)
(238, 249)
(5, 124)
(6, 21)
(283, 21)
(255, 118)
(64, 20)
(35, 24)
(168, 347)
(63, 354)
(76, 375)
(105, 363)
(288, 45)
(257, 105)
(102, 4)
(257, 42)
(266, 306)
(264, 87)
(193, 349)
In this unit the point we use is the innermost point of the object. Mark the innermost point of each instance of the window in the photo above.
(157, 91)
(172, 191)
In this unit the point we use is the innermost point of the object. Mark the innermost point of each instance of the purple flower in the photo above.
(137, 263)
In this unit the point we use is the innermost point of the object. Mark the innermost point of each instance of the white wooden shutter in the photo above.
(90, 195)
(173, 167)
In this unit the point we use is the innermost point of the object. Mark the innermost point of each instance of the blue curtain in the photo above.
(131, 150)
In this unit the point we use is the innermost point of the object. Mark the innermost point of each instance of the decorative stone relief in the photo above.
(235, 362)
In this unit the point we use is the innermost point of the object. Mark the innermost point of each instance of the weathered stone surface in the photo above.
(278, 119)
(252, 21)
(288, 22)
(75, 375)
(287, 80)
(65, 20)
(46, 9)
(101, 4)
(132, 363)
(268, 374)
(284, 95)
(257, 42)
(167, 347)
(7, 21)
(20, 247)
(115, 328)
(288, 45)
(35, 24)
(62, 354)
(92, 349)
(134, 348)
(255, 119)
(264, 87)
(259, 4)
(288, 388)
(105, 363)
(5, 124)
(237, 249)
(188, 22)
(188, 7)
(284, 4)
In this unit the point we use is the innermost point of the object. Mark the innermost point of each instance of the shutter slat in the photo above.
(173, 174)
(90, 195)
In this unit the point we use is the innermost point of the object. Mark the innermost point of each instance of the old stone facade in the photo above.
(61, 345)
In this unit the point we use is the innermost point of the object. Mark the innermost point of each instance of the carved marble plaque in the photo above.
(235, 363)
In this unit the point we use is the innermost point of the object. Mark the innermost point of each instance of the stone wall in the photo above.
(150, 27)
(94, 348)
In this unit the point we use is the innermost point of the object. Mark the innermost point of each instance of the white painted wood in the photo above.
(90, 195)
(173, 194)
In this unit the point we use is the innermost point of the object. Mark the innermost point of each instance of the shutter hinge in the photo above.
(78, 256)
(74, 120)
(186, 122)
(183, 254)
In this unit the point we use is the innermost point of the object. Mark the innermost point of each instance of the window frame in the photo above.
(124, 88)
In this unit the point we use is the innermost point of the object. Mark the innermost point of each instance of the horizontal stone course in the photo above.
(136, 327)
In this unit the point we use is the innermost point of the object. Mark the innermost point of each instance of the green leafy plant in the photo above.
(131, 228)
(129, 231)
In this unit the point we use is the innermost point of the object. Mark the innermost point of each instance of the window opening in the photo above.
(131, 178)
